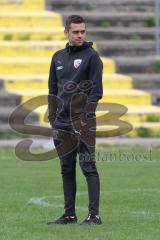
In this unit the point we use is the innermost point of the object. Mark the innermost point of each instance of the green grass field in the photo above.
(31, 195)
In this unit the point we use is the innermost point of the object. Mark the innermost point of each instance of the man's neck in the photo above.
(71, 44)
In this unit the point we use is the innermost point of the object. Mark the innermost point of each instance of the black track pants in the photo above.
(84, 145)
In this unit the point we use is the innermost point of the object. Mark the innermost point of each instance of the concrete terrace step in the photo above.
(121, 33)
(134, 65)
(43, 14)
(22, 5)
(24, 65)
(9, 99)
(30, 48)
(113, 19)
(133, 109)
(56, 33)
(153, 129)
(148, 129)
(114, 96)
(1, 84)
(115, 141)
(34, 81)
(31, 33)
(41, 18)
(146, 81)
(155, 93)
(134, 114)
(105, 47)
(103, 5)
(149, 83)
(126, 48)
(30, 65)
(129, 97)
(4, 128)
(5, 113)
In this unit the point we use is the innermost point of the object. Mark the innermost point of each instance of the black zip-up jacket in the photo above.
(71, 68)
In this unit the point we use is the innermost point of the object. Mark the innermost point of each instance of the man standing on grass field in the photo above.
(75, 81)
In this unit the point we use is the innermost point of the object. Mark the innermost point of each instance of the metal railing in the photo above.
(157, 10)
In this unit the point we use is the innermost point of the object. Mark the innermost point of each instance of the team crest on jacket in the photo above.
(77, 63)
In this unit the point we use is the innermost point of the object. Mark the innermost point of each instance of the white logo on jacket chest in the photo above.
(59, 67)
(77, 63)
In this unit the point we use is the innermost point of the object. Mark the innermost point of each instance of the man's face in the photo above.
(76, 34)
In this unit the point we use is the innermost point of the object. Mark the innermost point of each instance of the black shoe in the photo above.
(92, 219)
(64, 219)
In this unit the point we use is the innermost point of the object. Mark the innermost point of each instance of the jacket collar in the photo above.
(72, 48)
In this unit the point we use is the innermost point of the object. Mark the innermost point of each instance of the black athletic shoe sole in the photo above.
(63, 220)
(61, 223)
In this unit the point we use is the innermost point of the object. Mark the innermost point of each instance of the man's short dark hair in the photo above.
(73, 19)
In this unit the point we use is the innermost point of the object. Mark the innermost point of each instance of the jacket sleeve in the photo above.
(96, 92)
(52, 85)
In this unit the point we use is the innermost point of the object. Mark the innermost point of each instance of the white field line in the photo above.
(140, 213)
(43, 201)
(135, 190)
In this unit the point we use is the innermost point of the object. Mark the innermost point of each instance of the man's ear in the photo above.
(66, 32)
